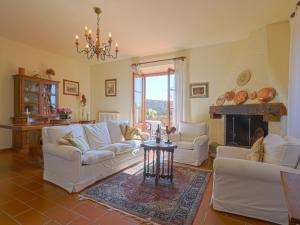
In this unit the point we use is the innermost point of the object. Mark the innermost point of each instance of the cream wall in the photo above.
(122, 102)
(265, 52)
(14, 55)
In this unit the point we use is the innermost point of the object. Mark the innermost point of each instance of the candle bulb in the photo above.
(90, 31)
(77, 37)
(85, 30)
(87, 46)
(109, 35)
(117, 46)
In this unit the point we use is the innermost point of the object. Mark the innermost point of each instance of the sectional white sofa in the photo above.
(109, 153)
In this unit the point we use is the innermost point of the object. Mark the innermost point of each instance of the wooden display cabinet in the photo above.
(35, 101)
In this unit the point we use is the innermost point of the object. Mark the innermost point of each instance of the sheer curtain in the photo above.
(181, 92)
(293, 120)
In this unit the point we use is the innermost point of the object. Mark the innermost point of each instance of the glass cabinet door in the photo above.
(50, 101)
(31, 97)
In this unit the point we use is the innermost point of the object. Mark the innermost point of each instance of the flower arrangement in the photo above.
(64, 113)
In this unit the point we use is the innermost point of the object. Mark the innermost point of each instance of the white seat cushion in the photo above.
(115, 132)
(56, 132)
(97, 135)
(186, 145)
(118, 148)
(133, 143)
(96, 156)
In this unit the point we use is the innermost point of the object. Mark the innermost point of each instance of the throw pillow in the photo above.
(131, 133)
(257, 151)
(65, 139)
(79, 142)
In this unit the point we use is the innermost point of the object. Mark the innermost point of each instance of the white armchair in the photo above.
(192, 143)
(248, 188)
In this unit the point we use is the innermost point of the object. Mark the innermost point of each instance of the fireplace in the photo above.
(242, 122)
(240, 129)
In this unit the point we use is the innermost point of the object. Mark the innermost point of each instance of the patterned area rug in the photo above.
(167, 203)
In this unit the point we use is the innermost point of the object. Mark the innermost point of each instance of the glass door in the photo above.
(138, 101)
(154, 101)
(49, 98)
(31, 97)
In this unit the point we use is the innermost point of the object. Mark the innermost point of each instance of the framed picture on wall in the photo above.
(199, 90)
(111, 87)
(71, 87)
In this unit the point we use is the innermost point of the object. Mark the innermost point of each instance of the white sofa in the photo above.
(192, 143)
(67, 167)
(249, 188)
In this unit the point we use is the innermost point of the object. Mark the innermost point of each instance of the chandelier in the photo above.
(95, 46)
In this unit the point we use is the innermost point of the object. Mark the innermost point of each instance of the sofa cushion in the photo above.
(257, 151)
(65, 139)
(56, 132)
(97, 135)
(282, 151)
(189, 131)
(186, 145)
(118, 148)
(115, 132)
(133, 143)
(274, 139)
(96, 156)
(80, 143)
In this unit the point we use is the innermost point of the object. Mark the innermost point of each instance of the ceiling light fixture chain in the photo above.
(95, 47)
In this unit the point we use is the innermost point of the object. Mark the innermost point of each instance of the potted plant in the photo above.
(64, 113)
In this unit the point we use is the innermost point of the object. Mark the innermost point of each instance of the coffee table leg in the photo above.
(157, 167)
(145, 164)
(172, 157)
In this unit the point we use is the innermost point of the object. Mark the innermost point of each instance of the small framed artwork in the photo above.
(71, 87)
(111, 87)
(199, 90)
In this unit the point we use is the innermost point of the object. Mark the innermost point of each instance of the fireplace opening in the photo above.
(240, 129)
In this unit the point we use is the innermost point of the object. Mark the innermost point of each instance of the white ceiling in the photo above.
(141, 27)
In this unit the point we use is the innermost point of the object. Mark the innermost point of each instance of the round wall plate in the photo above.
(243, 78)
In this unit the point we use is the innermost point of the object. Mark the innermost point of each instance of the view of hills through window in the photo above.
(156, 101)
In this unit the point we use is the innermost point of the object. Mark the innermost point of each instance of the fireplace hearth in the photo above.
(240, 129)
(242, 122)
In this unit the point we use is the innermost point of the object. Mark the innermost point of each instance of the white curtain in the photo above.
(181, 92)
(293, 120)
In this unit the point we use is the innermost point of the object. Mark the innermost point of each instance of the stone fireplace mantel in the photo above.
(269, 111)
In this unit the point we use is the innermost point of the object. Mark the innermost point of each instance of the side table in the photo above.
(160, 166)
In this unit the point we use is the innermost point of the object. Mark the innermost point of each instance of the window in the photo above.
(154, 96)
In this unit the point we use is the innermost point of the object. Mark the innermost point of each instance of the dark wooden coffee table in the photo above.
(161, 165)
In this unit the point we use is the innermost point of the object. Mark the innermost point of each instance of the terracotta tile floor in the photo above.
(26, 199)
